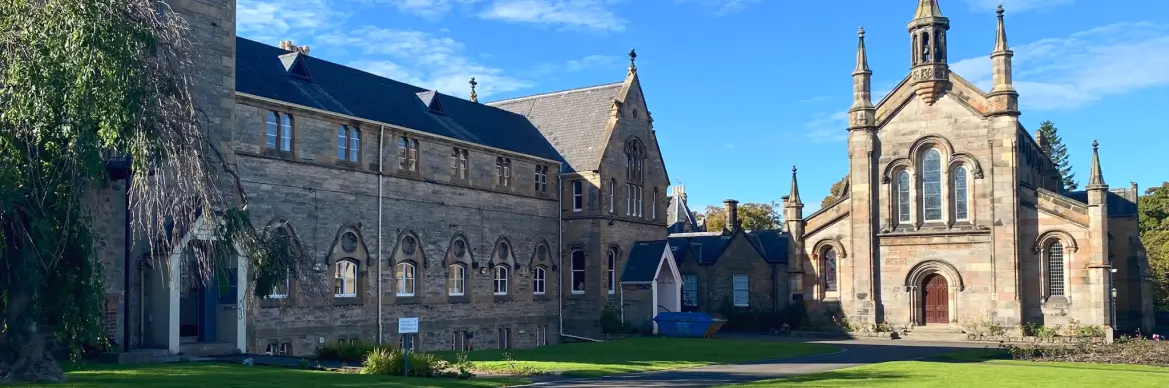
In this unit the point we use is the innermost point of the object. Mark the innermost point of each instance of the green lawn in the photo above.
(973, 369)
(210, 375)
(574, 360)
(636, 355)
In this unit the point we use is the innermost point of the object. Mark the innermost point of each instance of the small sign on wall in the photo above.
(407, 325)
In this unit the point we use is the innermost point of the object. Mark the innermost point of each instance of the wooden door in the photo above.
(936, 299)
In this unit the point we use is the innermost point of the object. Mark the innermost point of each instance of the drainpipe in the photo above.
(126, 269)
(381, 140)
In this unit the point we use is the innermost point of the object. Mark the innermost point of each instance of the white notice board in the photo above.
(407, 325)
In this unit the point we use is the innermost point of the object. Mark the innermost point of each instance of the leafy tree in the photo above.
(1154, 230)
(1053, 145)
(755, 216)
(835, 192)
(81, 81)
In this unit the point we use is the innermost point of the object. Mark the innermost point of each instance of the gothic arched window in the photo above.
(1055, 284)
(903, 196)
(931, 185)
(829, 269)
(961, 198)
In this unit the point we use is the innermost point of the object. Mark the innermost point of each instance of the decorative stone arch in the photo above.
(297, 264)
(459, 251)
(829, 242)
(1046, 238)
(340, 248)
(928, 141)
(408, 247)
(503, 252)
(634, 145)
(914, 285)
(537, 258)
(818, 262)
(896, 166)
(968, 161)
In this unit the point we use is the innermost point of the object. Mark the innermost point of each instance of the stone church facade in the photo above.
(953, 214)
(497, 225)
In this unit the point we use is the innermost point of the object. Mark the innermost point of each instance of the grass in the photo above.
(633, 355)
(214, 375)
(978, 368)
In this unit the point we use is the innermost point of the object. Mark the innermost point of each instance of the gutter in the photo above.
(381, 140)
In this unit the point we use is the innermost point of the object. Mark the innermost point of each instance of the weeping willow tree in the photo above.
(81, 81)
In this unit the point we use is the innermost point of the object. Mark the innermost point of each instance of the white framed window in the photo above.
(345, 279)
(541, 178)
(640, 201)
(1055, 276)
(461, 341)
(408, 153)
(348, 143)
(404, 274)
(611, 269)
(539, 281)
(961, 196)
(280, 291)
(456, 279)
(742, 290)
(577, 196)
(612, 196)
(278, 134)
(500, 280)
(577, 260)
(459, 163)
(503, 170)
(690, 290)
(931, 185)
(653, 205)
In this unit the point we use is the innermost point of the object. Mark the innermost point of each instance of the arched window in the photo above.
(829, 270)
(1055, 285)
(634, 161)
(578, 271)
(272, 130)
(348, 143)
(500, 280)
(925, 47)
(931, 185)
(285, 132)
(539, 281)
(961, 199)
(345, 279)
(903, 196)
(456, 280)
(611, 268)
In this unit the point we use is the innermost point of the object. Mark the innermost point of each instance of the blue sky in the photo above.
(741, 90)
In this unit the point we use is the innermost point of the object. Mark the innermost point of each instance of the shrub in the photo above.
(347, 352)
(1125, 350)
(611, 321)
(386, 361)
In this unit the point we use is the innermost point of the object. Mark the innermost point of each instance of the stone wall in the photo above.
(321, 198)
(715, 282)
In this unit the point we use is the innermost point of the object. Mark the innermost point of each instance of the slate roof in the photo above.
(1117, 205)
(572, 120)
(261, 71)
(709, 247)
(678, 214)
(643, 262)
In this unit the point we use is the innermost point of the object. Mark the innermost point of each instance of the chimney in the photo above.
(732, 209)
(287, 45)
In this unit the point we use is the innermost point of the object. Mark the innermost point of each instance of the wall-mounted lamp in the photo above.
(483, 270)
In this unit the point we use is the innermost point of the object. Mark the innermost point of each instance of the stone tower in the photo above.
(1003, 98)
(928, 36)
(862, 188)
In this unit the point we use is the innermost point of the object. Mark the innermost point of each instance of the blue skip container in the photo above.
(687, 325)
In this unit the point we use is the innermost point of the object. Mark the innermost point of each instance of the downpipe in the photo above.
(381, 140)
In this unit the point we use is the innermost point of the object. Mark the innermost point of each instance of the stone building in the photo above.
(953, 214)
(400, 202)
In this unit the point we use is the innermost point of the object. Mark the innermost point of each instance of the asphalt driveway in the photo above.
(852, 353)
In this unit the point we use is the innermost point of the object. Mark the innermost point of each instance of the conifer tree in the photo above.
(1054, 147)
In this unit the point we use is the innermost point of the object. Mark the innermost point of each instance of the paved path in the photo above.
(852, 353)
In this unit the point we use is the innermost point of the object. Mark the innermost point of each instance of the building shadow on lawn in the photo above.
(219, 375)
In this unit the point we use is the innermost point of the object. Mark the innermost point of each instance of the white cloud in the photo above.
(421, 59)
(274, 20)
(813, 99)
(429, 9)
(590, 62)
(827, 127)
(1072, 71)
(568, 14)
(1015, 5)
(723, 6)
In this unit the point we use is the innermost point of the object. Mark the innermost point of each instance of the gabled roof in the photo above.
(644, 259)
(574, 121)
(773, 243)
(678, 214)
(261, 71)
(709, 247)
